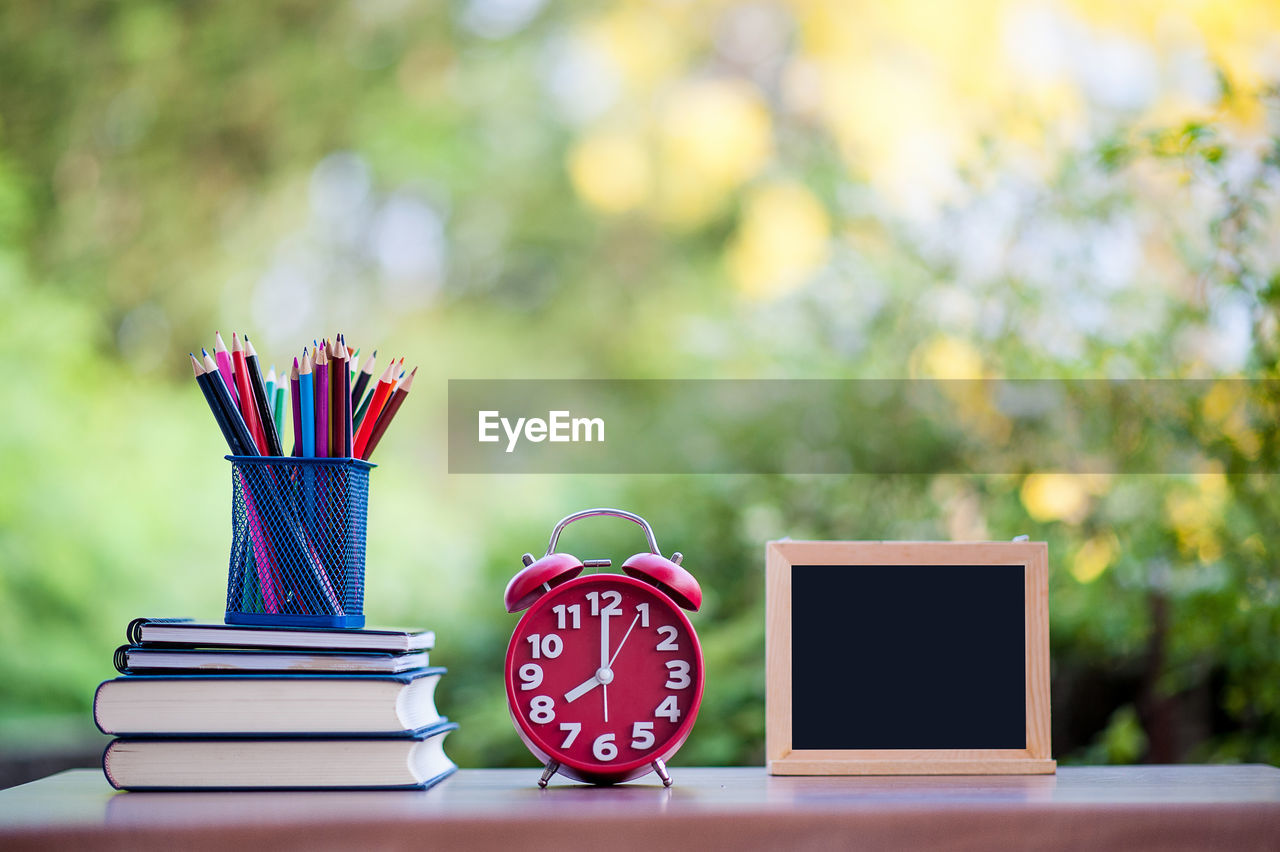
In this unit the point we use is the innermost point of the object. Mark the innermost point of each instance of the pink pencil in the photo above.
(295, 396)
(223, 357)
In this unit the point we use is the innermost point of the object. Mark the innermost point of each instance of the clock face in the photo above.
(604, 674)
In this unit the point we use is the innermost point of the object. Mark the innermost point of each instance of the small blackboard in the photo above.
(907, 657)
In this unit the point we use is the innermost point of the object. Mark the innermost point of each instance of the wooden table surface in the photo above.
(1130, 807)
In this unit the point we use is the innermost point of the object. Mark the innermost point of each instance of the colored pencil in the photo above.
(263, 405)
(272, 384)
(248, 408)
(363, 411)
(203, 379)
(244, 445)
(348, 429)
(337, 385)
(344, 398)
(279, 412)
(296, 406)
(364, 407)
(388, 413)
(322, 404)
(362, 380)
(224, 366)
(307, 402)
(380, 394)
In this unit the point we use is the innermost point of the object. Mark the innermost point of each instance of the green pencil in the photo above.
(279, 408)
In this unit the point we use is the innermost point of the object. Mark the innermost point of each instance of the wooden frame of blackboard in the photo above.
(782, 759)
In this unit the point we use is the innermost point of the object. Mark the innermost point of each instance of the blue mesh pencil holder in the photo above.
(297, 541)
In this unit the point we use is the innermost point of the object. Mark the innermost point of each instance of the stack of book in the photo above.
(221, 707)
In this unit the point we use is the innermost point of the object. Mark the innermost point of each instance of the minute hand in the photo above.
(604, 638)
(604, 662)
(618, 650)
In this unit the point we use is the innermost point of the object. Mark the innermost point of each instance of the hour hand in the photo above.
(602, 677)
(582, 688)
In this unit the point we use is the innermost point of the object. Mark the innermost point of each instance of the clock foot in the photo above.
(552, 766)
(661, 768)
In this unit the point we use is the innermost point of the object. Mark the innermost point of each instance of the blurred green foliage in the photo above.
(457, 183)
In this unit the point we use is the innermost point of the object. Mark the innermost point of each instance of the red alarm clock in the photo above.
(604, 672)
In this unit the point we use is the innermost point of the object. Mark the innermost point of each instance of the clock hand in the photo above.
(604, 638)
(582, 689)
(604, 659)
(609, 665)
(602, 677)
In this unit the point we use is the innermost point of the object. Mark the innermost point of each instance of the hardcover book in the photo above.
(262, 704)
(416, 761)
(184, 632)
(151, 659)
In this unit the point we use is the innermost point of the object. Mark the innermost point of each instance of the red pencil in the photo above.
(380, 394)
(248, 408)
(337, 386)
(384, 419)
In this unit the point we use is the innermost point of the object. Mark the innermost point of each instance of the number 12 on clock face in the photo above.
(604, 675)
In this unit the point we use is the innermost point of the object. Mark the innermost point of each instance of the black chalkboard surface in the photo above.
(907, 658)
(883, 649)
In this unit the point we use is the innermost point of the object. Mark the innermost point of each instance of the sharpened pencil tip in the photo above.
(204, 351)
